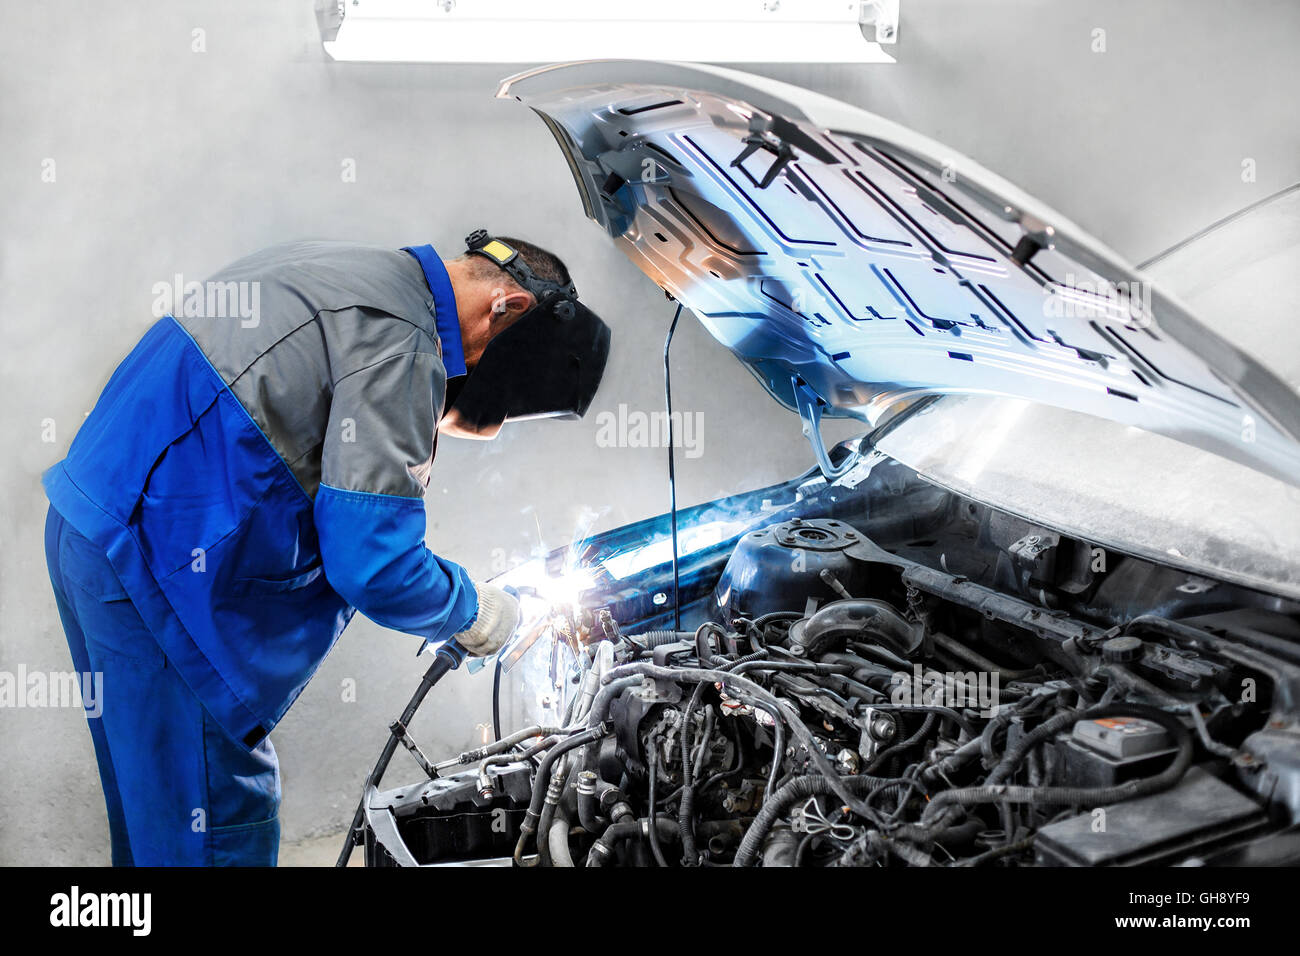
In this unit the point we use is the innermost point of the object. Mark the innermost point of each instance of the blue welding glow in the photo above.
(660, 550)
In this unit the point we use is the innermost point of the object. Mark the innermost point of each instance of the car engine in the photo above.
(842, 704)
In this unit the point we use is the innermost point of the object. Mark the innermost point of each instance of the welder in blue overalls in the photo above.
(246, 482)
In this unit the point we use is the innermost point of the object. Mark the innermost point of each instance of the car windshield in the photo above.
(1119, 486)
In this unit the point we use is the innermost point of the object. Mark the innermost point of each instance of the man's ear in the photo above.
(507, 307)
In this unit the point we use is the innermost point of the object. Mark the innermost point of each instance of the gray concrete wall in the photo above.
(168, 161)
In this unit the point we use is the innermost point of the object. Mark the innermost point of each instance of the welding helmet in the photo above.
(548, 364)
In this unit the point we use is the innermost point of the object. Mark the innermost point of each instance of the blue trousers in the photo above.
(179, 792)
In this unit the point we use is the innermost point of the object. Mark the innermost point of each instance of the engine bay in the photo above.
(888, 676)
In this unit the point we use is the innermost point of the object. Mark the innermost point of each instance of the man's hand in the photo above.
(498, 616)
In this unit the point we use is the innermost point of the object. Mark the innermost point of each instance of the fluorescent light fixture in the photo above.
(537, 31)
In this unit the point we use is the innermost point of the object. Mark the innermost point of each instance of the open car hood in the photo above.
(853, 264)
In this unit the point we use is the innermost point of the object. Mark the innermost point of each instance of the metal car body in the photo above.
(851, 263)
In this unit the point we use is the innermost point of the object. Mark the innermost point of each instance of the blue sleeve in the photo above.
(375, 558)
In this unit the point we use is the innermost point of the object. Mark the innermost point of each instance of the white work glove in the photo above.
(498, 616)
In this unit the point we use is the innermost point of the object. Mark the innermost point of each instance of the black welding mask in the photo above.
(548, 364)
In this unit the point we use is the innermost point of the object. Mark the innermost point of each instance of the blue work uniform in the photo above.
(249, 477)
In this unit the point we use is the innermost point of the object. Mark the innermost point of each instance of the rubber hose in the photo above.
(603, 849)
(558, 840)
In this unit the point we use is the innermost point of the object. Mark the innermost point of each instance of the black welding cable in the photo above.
(496, 700)
(441, 666)
(672, 470)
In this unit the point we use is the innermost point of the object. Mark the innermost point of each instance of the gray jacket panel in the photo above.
(336, 357)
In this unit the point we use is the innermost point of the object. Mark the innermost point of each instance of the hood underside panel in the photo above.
(835, 252)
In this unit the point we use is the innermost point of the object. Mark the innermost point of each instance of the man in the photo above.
(245, 483)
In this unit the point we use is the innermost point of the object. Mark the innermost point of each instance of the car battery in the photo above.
(1111, 750)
